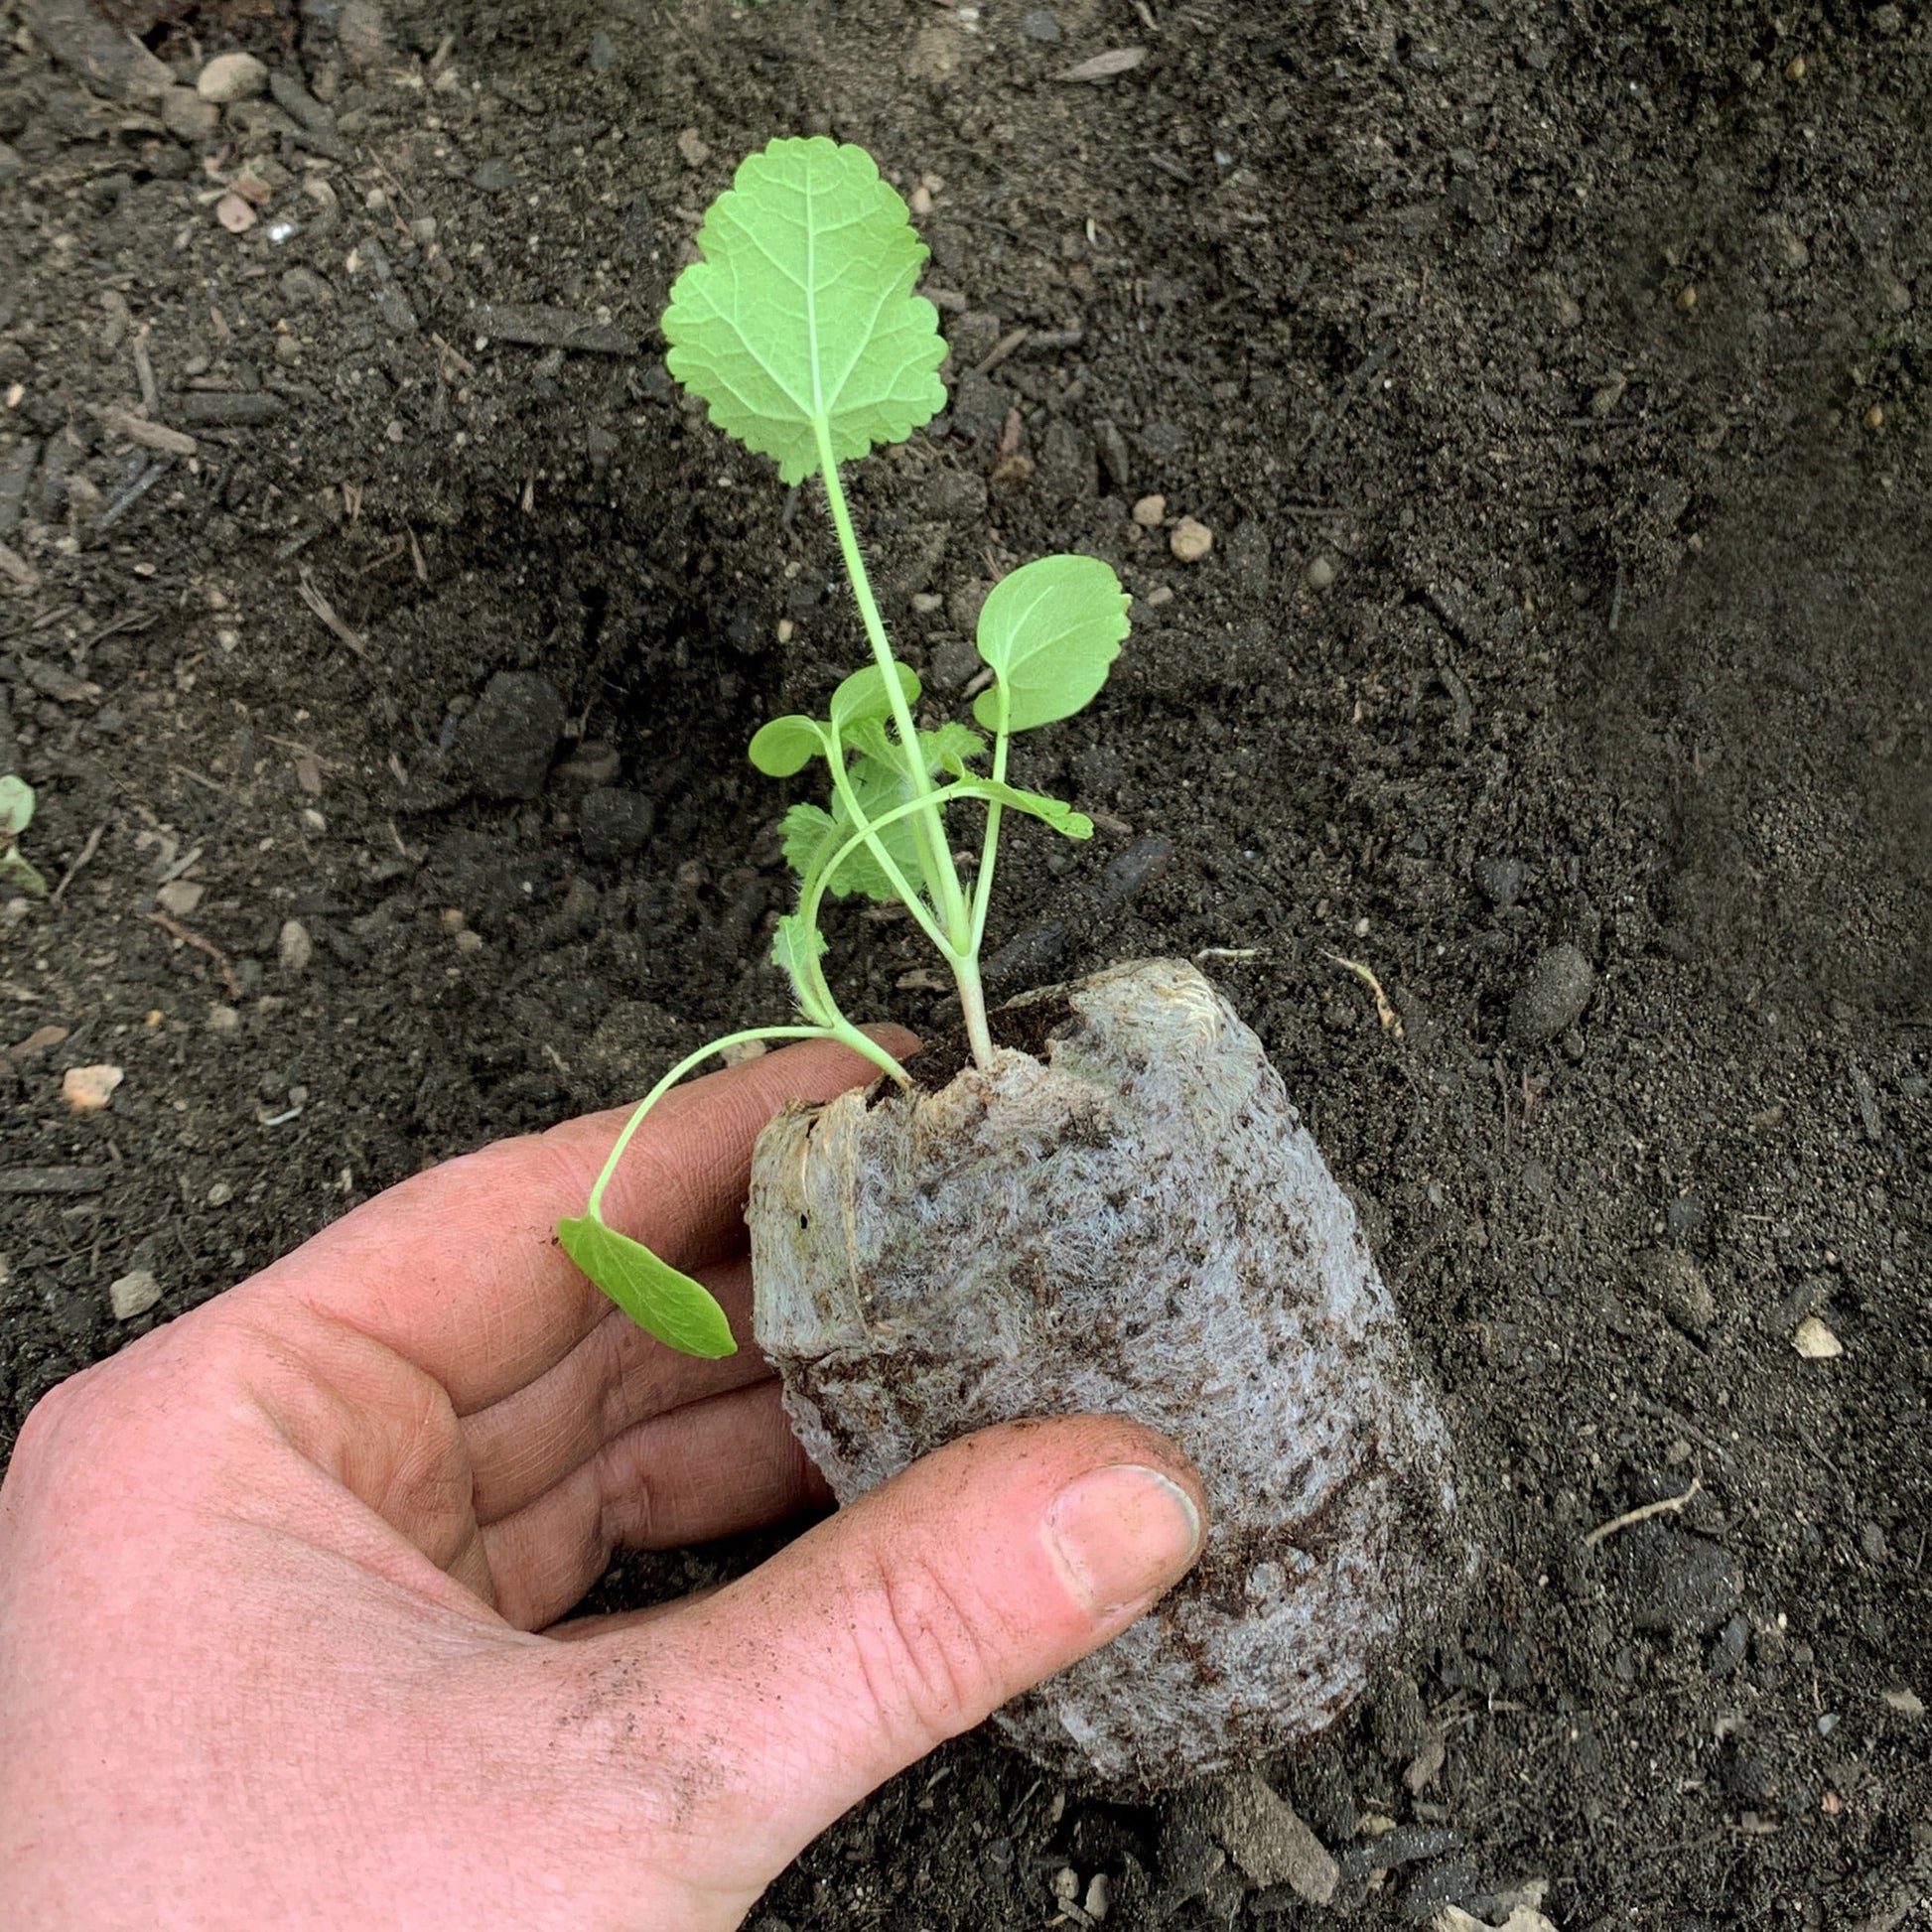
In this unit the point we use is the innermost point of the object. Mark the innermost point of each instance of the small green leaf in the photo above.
(794, 947)
(786, 745)
(653, 1294)
(863, 696)
(806, 831)
(948, 748)
(801, 311)
(1050, 631)
(16, 873)
(16, 806)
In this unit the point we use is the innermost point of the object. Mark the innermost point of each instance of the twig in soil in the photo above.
(124, 500)
(1000, 349)
(1384, 1012)
(199, 944)
(326, 610)
(1631, 1517)
(86, 853)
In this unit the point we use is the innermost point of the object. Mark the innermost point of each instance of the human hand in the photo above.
(278, 1583)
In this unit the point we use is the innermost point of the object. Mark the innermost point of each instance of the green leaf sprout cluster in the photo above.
(799, 330)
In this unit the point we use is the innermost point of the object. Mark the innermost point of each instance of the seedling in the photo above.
(16, 814)
(800, 331)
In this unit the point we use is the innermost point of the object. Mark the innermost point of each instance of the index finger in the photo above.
(459, 1270)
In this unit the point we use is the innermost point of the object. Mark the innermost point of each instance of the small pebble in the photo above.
(1500, 881)
(87, 1089)
(1816, 1342)
(1687, 296)
(221, 1194)
(188, 117)
(294, 949)
(230, 78)
(1151, 512)
(1794, 69)
(1875, 417)
(223, 1020)
(1553, 998)
(695, 149)
(179, 897)
(1040, 24)
(133, 1294)
(1190, 540)
(1321, 573)
(468, 941)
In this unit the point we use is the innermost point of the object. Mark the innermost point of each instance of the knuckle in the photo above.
(926, 1650)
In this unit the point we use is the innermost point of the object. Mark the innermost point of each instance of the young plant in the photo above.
(800, 331)
(16, 814)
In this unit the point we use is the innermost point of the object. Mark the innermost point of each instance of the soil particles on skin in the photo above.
(1512, 426)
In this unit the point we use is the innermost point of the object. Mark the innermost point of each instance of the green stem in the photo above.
(842, 784)
(844, 1032)
(935, 856)
(990, 845)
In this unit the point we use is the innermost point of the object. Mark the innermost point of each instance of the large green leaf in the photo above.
(802, 312)
(653, 1294)
(1050, 631)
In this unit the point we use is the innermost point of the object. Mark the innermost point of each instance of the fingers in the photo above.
(711, 1468)
(902, 1621)
(459, 1270)
(617, 1376)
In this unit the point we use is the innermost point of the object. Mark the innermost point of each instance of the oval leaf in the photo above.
(676, 1309)
(786, 745)
(862, 697)
(16, 806)
(1050, 631)
(802, 310)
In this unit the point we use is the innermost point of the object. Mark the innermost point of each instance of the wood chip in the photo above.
(149, 436)
(1104, 67)
(53, 1180)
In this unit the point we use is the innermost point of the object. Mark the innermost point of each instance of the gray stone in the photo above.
(1676, 1581)
(1677, 1286)
(954, 663)
(614, 824)
(1553, 998)
(503, 742)
(1499, 880)
(111, 61)
(1040, 24)
(1136, 1223)
(188, 118)
(1264, 1837)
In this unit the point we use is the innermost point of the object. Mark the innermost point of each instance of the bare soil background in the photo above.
(1553, 380)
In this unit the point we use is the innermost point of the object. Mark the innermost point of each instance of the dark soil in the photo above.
(1555, 381)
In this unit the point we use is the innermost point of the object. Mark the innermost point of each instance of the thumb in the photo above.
(915, 1613)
